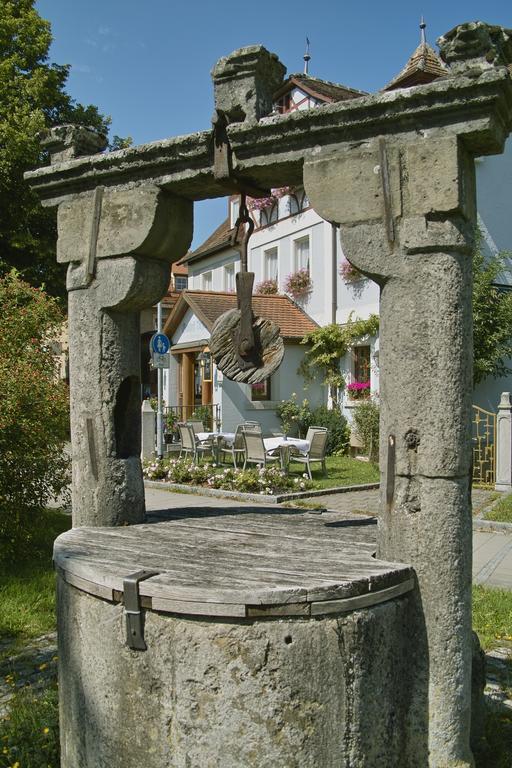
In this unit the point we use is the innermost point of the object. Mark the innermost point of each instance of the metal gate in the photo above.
(484, 446)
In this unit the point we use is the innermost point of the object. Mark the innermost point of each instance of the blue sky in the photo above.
(147, 64)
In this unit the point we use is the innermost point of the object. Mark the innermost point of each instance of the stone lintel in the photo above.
(272, 151)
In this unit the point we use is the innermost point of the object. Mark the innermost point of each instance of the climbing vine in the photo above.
(328, 345)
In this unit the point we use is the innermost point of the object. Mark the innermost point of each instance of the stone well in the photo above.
(269, 642)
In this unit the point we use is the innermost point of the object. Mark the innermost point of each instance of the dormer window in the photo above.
(234, 210)
(298, 202)
(269, 215)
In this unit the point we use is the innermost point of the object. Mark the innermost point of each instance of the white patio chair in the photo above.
(255, 452)
(196, 425)
(317, 439)
(236, 449)
(190, 444)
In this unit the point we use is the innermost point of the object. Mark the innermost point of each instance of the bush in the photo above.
(295, 418)
(338, 429)
(366, 423)
(34, 421)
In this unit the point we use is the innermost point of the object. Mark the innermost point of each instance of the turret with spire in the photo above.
(424, 65)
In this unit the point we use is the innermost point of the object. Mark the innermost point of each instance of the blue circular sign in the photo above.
(159, 344)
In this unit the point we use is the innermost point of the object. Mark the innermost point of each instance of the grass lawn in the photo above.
(27, 586)
(341, 471)
(492, 616)
(502, 511)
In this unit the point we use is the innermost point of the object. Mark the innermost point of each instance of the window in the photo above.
(235, 209)
(270, 268)
(180, 283)
(207, 281)
(362, 364)
(301, 254)
(229, 278)
(261, 390)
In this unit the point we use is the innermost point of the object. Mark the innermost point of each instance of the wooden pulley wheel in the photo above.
(260, 363)
(245, 348)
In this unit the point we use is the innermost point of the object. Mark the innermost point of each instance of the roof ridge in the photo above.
(301, 75)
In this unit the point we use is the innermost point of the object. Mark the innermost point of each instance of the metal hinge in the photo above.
(132, 609)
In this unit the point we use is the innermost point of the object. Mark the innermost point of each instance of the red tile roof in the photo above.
(209, 305)
(222, 237)
(321, 89)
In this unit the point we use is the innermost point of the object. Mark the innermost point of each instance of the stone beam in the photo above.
(271, 152)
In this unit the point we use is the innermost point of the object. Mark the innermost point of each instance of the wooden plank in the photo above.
(196, 608)
(265, 611)
(362, 601)
(90, 587)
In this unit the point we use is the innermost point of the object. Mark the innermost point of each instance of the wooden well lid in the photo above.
(247, 565)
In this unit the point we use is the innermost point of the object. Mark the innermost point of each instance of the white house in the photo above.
(289, 238)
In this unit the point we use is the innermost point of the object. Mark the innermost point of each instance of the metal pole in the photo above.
(334, 272)
(159, 412)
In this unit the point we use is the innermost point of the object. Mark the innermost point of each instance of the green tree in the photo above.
(492, 318)
(32, 99)
(34, 413)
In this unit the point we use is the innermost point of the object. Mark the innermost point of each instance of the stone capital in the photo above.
(394, 197)
(141, 221)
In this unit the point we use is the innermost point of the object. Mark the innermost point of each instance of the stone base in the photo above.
(328, 692)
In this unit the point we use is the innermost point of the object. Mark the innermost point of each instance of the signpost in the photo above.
(159, 346)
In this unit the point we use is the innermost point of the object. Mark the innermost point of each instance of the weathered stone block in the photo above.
(142, 220)
(433, 177)
(245, 82)
(346, 186)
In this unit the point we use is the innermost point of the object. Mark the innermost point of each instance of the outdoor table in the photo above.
(217, 438)
(284, 444)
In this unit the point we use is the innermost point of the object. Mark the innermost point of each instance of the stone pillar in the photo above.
(406, 206)
(119, 244)
(148, 430)
(503, 439)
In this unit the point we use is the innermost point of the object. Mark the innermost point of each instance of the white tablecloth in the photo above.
(271, 443)
(227, 436)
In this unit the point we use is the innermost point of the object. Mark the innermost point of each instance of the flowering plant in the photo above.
(358, 390)
(349, 273)
(262, 480)
(299, 284)
(260, 203)
(266, 287)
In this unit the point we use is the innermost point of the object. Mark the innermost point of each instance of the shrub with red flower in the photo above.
(299, 284)
(349, 273)
(358, 390)
(266, 287)
(260, 203)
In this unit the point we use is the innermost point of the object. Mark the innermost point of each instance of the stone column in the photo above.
(148, 430)
(503, 439)
(406, 206)
(119, 243)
